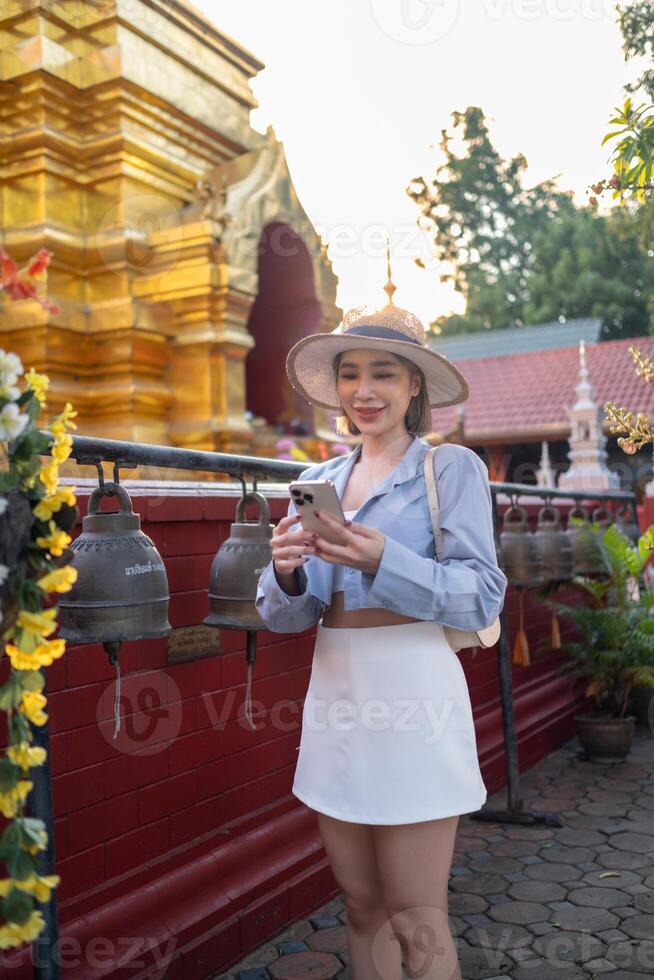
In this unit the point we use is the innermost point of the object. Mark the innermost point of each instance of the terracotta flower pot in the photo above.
(606, 739)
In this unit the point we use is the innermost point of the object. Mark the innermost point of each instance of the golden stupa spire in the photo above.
(389, 288)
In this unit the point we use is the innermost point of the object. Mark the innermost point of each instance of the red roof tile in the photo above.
(526, 395)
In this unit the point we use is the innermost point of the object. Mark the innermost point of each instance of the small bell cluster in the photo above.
(551, 555)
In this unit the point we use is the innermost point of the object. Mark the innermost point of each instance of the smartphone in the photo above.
(320, 495)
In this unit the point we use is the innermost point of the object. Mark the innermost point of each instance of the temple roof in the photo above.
(231, 46)
(522, 397)
(513, 340)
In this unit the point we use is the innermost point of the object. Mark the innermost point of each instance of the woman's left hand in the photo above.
(360, 547)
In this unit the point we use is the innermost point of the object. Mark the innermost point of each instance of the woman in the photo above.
(388, 755)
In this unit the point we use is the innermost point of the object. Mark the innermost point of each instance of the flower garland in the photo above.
(36, 515)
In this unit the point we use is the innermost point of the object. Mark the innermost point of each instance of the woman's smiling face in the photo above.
(375, 389)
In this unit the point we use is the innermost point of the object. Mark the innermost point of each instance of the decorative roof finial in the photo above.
(389, 288)
(584, 378)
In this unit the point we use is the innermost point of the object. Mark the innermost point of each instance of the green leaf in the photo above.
(31, 680)
(21, 865)
(17, 906)
(25, 397)
(610, 136)
(10, 694)
(9, 843)
(11, 834)
(8, 775)
(646, 543)
(9, 481)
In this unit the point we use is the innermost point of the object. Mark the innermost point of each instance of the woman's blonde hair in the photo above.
(418, 414)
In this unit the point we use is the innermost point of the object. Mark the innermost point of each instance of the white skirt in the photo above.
(387, 730)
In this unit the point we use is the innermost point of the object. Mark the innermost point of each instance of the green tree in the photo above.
(483, 222)
(523, 255)
(632, 127)
(590, 265)
(633, 161)
(636, 22)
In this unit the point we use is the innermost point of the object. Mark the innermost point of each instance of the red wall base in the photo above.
(201, 911)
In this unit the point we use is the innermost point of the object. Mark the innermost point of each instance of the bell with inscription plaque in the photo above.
(236, 568)
(121, 592)
(233, 579)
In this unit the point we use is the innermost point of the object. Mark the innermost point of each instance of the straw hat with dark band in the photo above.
(310, 361)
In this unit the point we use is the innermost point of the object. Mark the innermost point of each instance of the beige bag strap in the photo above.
(432, 498)
(458, 639)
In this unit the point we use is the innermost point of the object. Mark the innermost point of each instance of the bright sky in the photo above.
(359, 90)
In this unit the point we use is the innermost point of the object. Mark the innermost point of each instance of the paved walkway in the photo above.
(529, 903)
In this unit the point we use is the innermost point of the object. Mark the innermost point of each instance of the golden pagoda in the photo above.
(184, 265)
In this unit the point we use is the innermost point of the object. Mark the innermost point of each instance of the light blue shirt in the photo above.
(464, 589)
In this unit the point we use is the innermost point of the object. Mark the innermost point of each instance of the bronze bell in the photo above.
(603, 517)
(624, 519)
(553, 545)
(121, 592)
(586, 557)
(521, 561)
(236, 568)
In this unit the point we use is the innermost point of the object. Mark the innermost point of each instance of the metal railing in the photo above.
(89, 450)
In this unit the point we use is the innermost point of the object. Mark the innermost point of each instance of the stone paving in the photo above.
(528, 903)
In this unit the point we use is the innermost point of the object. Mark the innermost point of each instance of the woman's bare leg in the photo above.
(374, 953)
(414, 861)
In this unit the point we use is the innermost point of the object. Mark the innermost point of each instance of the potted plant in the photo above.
(616, 652)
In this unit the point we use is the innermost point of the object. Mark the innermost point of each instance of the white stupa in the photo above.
(588, 468)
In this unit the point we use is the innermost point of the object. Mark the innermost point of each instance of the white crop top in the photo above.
(339, 570)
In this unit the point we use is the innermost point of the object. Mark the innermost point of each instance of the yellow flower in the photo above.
(12, 934)
(25, 756)
(65, 417)
(53, 502)
(39, 887)
(32, 706)
(38, 383)
(49, 476)
(59, 580)
(41, 656)
(68, 414)
(21, 660)
(62, 447)
(6, 885)
(60, 452)
(31, 628)
(43, 623)
(56, 540)
(12, 799)
(50, 650)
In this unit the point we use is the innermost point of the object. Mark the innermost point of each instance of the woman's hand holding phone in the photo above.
(359, 547)
(289, 548)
